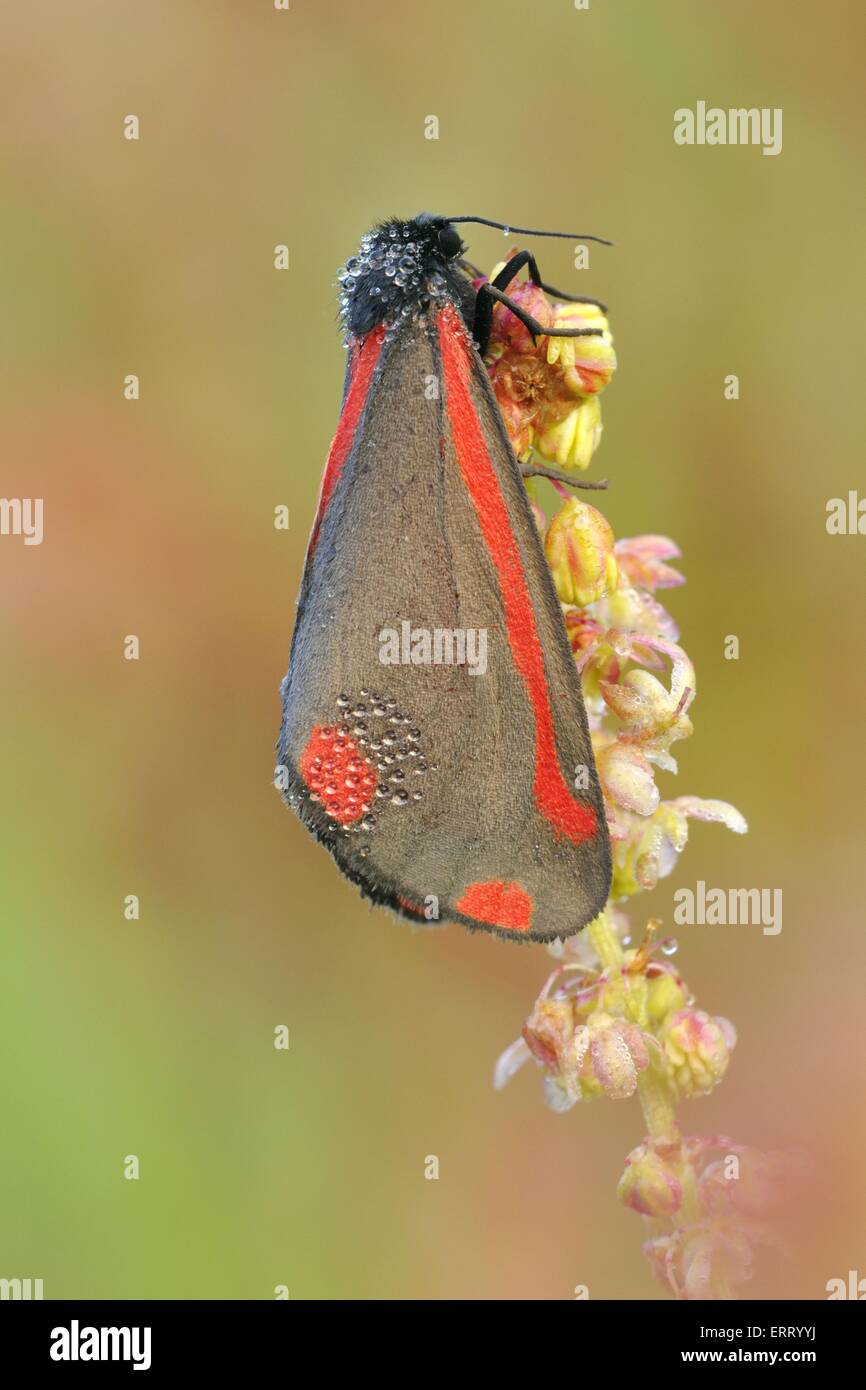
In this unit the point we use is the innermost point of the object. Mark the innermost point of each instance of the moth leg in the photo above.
(483, 320)
(537, 470)
(513, 266)
(526, 258)
(573, 298)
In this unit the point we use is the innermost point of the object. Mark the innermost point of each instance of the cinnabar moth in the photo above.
(445, 791)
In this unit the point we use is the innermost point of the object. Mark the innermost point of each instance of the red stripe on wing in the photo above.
(552, 795)
(365, 355)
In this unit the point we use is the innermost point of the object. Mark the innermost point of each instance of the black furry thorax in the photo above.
(400, 270)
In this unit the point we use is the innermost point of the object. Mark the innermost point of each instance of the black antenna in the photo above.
(527, 231)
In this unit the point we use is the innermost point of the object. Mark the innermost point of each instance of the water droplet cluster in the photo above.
(337, 774)
(393, 278)
(370, 759)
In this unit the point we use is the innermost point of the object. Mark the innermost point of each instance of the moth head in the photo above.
(449, 241)
(441, 235)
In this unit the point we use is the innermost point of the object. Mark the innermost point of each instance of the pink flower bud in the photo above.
(651, 1182)
(697, 1049)
(642, 561)
(617, 1052)
(549, 1030)
(704, 1261)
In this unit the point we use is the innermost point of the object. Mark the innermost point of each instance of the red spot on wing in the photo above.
(338, 774)
(552, 794)
(499, 904)
(365, 355)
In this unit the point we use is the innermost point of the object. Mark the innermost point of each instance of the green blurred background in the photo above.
(155, 257)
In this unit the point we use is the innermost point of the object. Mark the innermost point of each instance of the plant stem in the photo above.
(605, 941)
(657, 1104)
(656, 1098)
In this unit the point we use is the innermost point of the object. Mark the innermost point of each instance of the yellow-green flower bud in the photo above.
(665, 994)
(697, 1049)
(579, 549)
(571, 441)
